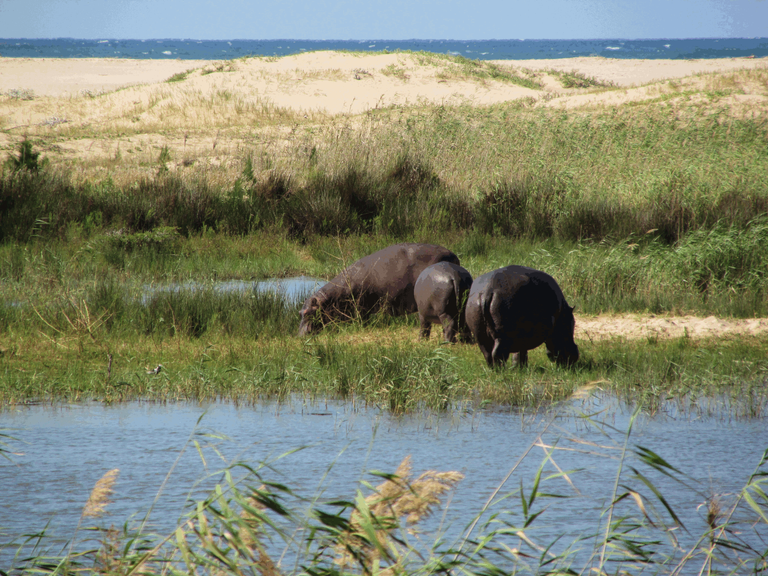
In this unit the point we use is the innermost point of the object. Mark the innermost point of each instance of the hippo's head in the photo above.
(567, 355)
(563, 349)
(310, 316)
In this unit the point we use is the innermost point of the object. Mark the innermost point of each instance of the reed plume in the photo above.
(375, 518)
(99, 498)
(97, 501)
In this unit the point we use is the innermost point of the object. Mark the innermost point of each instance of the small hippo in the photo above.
(516, 309)
(441, 292)
(383, 280)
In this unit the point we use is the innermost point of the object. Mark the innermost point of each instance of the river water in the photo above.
(293, 289)
(64, 449)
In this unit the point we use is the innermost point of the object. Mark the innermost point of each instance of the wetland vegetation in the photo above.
(651, 207)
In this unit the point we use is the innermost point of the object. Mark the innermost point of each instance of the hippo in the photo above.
(381, 281)
(515, 309)
(441, 292)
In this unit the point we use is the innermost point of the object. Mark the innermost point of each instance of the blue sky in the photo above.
(378, 19)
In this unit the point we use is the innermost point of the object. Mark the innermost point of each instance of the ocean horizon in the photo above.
(521, 49)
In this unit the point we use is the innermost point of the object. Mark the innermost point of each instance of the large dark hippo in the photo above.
(382, 281)
(441, 292)
(516, 309)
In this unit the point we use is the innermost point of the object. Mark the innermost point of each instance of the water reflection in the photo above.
(66, 449)
(293, 289)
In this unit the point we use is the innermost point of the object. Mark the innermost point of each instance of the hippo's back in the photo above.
(515, 296)
(390, 274)
(442, 284)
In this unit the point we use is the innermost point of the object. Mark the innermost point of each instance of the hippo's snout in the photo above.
(566, 356)
(306, 328)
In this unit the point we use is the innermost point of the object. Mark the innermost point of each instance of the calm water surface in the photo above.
(292, 289)
(66, 449)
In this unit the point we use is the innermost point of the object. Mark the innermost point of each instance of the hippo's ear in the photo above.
(573, 308)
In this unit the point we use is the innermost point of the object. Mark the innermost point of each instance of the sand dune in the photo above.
(348, 83)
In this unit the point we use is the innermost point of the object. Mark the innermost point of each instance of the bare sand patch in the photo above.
(636, 326)
(604, 327)
(627, 73)
(61, 77)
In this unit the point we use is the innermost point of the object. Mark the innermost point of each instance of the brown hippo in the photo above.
(381, 281)
(515, 309)
(441, 292)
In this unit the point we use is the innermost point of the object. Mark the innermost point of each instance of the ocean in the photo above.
(472, 49)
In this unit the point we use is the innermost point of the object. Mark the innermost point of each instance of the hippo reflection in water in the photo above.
(383, 280)
(441, 292)
(516, 309)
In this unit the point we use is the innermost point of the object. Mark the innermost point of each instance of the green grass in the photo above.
(452, 67)
(396, 72)
(574, 79)
(245, 348)
(722, 271)
(69, 304)
(179, 76)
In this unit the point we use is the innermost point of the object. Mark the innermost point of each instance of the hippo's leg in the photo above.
(465, 333)
(426, 327)
(501, 351)
(486, 350)
(449, 327)
(521, 358)
(465, 336)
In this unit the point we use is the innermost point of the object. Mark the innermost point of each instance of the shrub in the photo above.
(28, 158)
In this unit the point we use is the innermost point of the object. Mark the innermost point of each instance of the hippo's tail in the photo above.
(485, 306)
(457, 293)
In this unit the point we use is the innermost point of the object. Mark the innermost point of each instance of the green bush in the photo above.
(27, 158)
